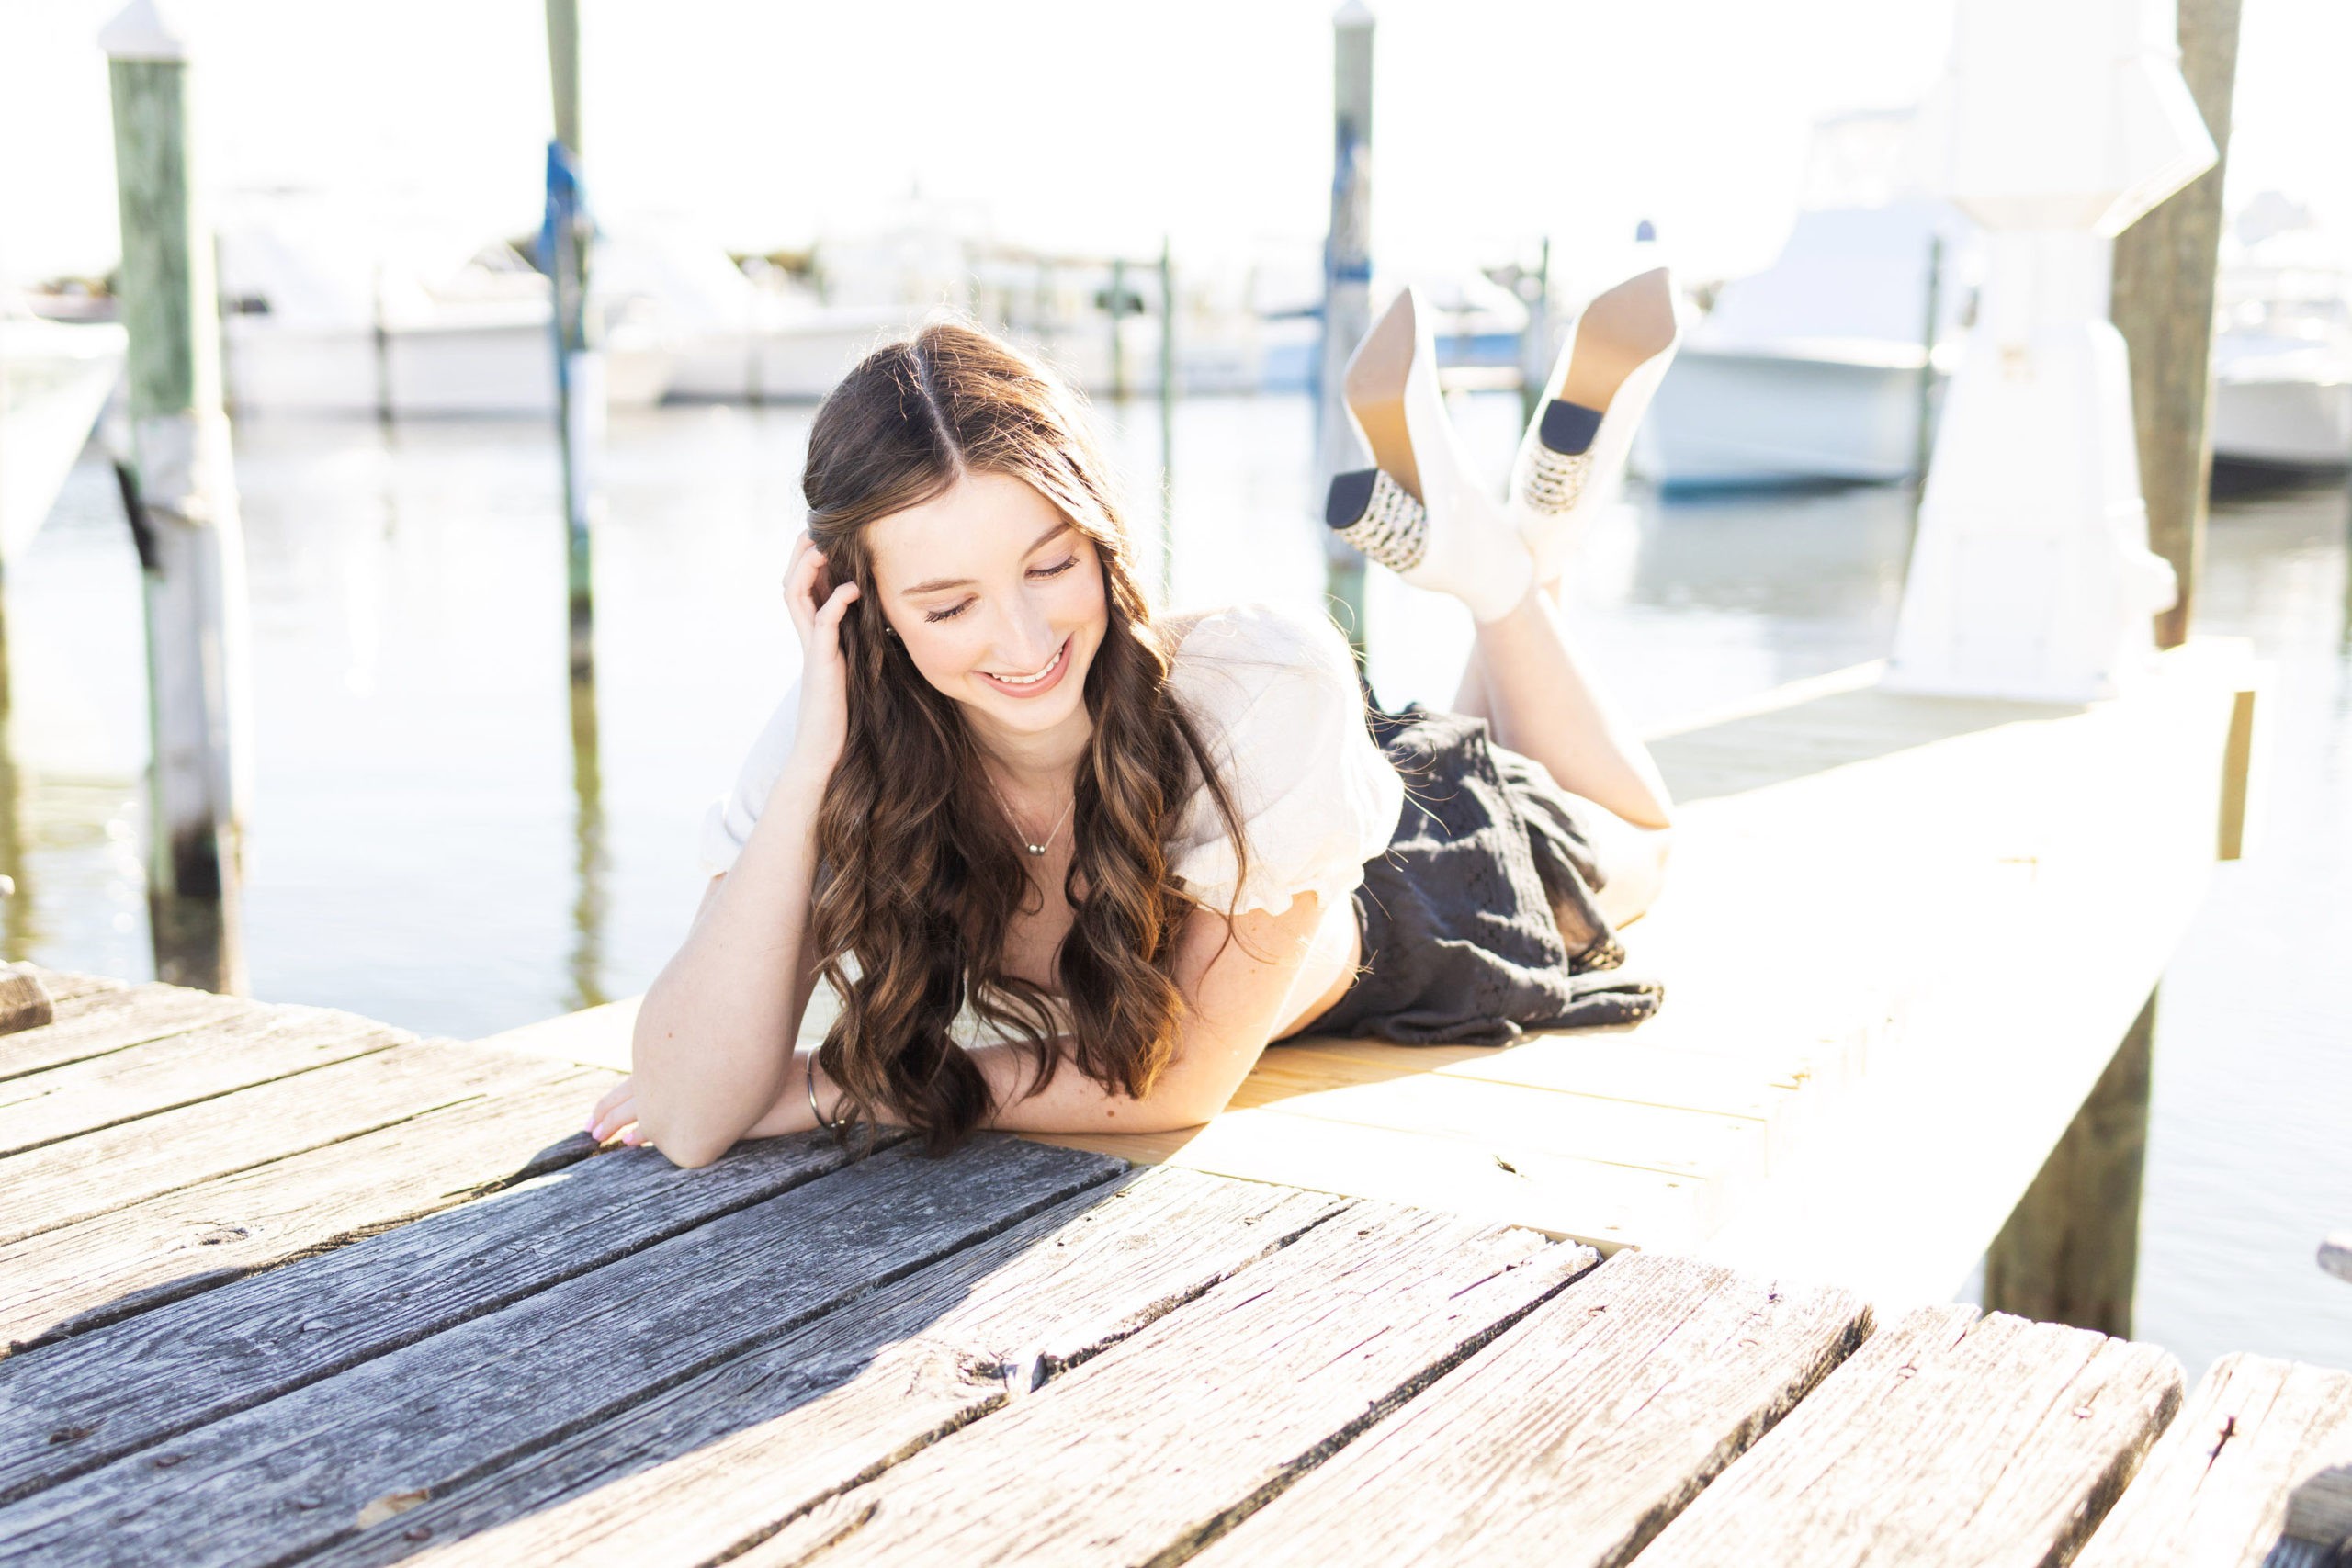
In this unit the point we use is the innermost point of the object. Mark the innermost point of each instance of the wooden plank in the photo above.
(1609, 1064)
(2070, 1252)
(1947, 1438)
(85, 1276)
(198, 1360)
(1489, 1178)
(102, 1171)
(66, 986)
(1709, 1151)
(245, 1048)
(1573, 1437)
(2235, 1480)
(99, 1021)
(284, 1478)
(2078, 849)
(1159, 1444)
(685, 1477)
(594, 1037)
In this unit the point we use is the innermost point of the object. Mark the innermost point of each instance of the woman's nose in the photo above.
(1027, 639)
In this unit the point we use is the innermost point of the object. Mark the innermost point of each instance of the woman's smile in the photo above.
(1038, 682)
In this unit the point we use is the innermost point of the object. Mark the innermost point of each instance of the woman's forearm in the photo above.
(713, 1046)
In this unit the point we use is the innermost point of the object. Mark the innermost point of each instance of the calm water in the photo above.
(416, 852)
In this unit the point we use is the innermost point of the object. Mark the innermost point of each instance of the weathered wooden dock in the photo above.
(282, 1285)
(1905, 942)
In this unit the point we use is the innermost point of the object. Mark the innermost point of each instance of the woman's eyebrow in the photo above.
(936, 584)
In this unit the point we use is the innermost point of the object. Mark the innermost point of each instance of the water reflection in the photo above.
(588, 867)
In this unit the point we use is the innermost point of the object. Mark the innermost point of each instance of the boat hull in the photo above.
(1751, 418)
(2283, 423)
(431, 372)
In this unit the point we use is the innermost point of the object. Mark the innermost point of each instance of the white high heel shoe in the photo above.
(1573, 457)
(1418, 511)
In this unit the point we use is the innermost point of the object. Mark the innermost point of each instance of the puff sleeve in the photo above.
(726, 825)
(1276, 699)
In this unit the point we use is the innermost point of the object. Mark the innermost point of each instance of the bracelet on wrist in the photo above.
(820, 1115)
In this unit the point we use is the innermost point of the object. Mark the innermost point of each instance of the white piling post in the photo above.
(1347, 296)
(184, 497)
(2054, 128)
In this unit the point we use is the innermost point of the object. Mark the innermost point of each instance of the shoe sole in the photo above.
(1375, 388)
(1618, 333)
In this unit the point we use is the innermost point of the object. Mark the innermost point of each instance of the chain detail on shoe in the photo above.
(1393, 529)
(1555, 480)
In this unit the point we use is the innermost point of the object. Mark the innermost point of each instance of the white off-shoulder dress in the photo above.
(1275, 699)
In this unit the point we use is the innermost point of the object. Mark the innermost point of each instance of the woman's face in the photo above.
(997, 600)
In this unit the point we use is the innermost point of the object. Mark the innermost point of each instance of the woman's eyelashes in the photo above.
(952, 611)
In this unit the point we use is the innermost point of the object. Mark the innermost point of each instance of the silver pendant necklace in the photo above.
(1022, 833)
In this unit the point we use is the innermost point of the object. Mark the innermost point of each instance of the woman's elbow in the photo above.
(688, 1149)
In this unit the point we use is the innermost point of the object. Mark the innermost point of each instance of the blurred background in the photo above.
(776, 186)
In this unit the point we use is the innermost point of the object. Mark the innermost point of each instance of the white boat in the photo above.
(2282, 353)
(304, 336)
(1815, 368)
(55, 378)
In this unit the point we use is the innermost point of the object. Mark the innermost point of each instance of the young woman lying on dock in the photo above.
(1070, 865)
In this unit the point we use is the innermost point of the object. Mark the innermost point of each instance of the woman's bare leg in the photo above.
(1470, 697)
(1529, 685)
(1525, 681)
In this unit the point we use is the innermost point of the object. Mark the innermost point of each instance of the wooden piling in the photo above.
(2070, 1252)
(183, 500)
(2163, 304)
(1116, 299)
(1347, 296)
(580, 385)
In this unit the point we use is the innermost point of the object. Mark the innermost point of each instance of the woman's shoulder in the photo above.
(1232, 659)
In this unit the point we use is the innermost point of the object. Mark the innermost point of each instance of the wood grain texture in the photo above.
(1493, 1179)
(1162, 1442)
(1948, 1438)
(98, 1021)
(1575, 1437)
(2070, 1251)
(245, 1048)
(83, 1275)
(1703, 1149)
(176, 1367)
(99, 1172)
(2161, 298)
(66, 985)
(2222, 1490)
(284, 1478)
(728, 1456)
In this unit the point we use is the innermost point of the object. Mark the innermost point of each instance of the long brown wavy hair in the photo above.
(918, 878)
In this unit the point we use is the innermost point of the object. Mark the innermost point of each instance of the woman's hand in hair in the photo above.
(817, 605)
